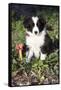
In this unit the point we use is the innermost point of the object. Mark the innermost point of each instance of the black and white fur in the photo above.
(37, 40)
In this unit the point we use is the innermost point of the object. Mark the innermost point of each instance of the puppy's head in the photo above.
(35, 25)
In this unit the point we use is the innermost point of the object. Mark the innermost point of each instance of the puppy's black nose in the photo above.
(35, 32)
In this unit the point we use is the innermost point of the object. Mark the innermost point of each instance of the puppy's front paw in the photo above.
(27, 60)
(43, 56)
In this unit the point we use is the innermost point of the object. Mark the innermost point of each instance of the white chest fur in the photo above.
(35, 41)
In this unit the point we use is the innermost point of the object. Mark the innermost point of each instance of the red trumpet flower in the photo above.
(19, 48)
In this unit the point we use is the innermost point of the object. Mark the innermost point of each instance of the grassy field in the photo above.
(36, 72)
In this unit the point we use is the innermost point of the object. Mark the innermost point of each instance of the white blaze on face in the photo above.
(35, 28)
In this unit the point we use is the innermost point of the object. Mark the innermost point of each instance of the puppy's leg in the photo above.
(27, 53)
(43, 53)
(37, 52)
(29, 56)
(43, 56)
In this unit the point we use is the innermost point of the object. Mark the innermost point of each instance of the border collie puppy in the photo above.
(38, 43)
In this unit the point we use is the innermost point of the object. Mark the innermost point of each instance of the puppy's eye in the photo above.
(30, 25)
(39, 24)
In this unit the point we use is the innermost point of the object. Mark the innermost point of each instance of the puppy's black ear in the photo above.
(42, 20)
(26, 20)
(41, 23)
(49, 27)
